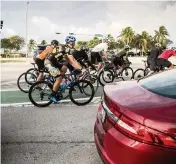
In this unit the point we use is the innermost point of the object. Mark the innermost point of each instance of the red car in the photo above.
(136, 121)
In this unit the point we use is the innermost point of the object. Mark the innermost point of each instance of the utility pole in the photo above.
(27, 29)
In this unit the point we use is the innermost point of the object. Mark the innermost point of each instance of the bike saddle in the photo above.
(33, 63)
(144, 61)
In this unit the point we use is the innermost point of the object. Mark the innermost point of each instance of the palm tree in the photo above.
(142, 41)
(43, 42)
(127, 35)
(161, 35)
(31, 44)
(120, 44)
(112, 43)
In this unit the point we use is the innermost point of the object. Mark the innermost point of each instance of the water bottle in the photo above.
(63, 86)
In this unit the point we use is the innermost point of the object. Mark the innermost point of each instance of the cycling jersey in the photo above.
(100, 47)
(167, 54)
(46, 52)
(155, 52)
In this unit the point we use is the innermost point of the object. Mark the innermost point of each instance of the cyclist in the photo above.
(97, 53)
(42, 56)
(122, 58)
(82, 55)
(162, 59)
(151, 59)
(57, 64)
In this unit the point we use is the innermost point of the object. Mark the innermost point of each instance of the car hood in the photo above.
(143, 106)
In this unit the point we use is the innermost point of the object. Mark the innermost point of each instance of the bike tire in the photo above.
(18, 83)
(72, 89)
(137, 71)
(30, 71)
(32, 89)
(146, 71)
(93, 80)
(124, 69)
(103, 78)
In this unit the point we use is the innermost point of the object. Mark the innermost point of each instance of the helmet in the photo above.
(70, 39)
(157, 45)
(126, 47)
(54, 42)
(84, 47)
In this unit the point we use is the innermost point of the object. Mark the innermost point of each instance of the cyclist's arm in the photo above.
(73, 62)
(106, 51)
(174, 54)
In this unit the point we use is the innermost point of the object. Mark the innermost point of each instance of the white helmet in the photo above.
(157, 45)
(126, 47)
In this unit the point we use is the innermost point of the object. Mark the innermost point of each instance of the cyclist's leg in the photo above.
(40, 64)
(99, 60)
(152, 65)
(55, 72)
(164, 63)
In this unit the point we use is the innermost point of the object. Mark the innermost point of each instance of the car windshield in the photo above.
(163, 84)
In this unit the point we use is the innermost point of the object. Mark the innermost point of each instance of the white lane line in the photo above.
(8, 90)
(95, 100)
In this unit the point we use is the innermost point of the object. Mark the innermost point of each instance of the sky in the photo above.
(45, 18)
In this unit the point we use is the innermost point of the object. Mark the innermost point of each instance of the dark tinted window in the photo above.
(163, 84)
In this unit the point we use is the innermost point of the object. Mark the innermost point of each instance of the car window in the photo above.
(163, 84)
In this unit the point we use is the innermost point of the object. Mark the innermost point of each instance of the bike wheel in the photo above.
(65, 94)
(139, 73)
(45, 89)
(105, 76)
(81, 90)
(93, 80)
(22, 84)
(127, 73)
(146, 71)
(30, 74)
(30, 78)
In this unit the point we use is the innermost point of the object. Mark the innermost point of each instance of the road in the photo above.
(54, 135)
(10, 73)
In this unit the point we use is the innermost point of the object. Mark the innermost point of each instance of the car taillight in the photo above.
(113, 113)
(144, 134)
(134, 129)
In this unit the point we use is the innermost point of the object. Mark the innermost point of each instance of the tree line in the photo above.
(143, 41)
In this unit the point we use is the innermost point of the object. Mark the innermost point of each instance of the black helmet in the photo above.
(54, 42)
(84, 47)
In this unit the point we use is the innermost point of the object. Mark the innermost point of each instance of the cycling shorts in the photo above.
(95, 57)
(163, 62)
(40, 64)
(53, 68)
(117, 61)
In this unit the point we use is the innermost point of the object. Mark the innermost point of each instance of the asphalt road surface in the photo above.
(11, 71)
(54, 135)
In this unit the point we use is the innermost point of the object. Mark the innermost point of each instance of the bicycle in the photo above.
(90, 75)
(71, 86)
(26, 79)
(140, 72)
(113, 72)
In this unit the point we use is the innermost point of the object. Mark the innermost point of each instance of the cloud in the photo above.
(91, 18)
(6, 32)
